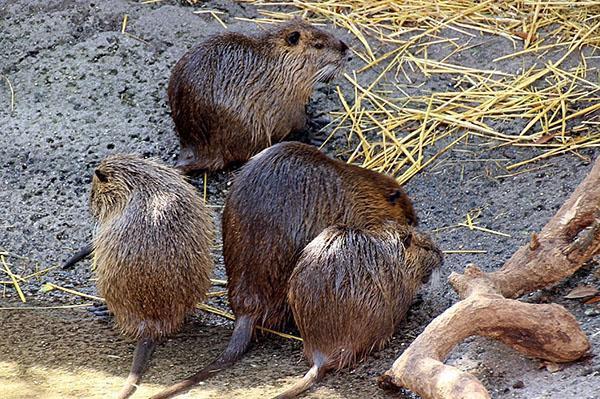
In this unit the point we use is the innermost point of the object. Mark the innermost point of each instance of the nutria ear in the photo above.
(407, 239)
(101, 176)
(293, 38)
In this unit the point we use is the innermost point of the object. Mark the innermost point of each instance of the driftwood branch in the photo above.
(487, 308)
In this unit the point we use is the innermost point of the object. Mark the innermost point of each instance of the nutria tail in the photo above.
(141, 355)
(316, 372)
(237, 346)
(83, 252)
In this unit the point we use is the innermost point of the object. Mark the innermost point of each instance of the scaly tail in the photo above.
(83, 252)
(141, 355)
(237, 346)
(313, 375)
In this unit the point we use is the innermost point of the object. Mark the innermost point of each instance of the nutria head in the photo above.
(119, 177)
(421, 253)
(401, 206)
(318, 51)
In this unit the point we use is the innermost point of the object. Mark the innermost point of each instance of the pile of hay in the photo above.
(555, 99)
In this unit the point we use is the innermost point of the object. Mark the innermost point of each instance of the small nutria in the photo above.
(234, 95)
(278, 203)
(350, 290)
(151, 249)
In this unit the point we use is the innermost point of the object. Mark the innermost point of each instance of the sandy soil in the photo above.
(84, 90)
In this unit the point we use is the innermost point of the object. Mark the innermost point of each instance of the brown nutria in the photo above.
(151, 249)
(234, 95)
(279, 202)
(350, 290)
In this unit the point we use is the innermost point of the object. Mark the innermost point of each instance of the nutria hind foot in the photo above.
(100, 310)
(187, 160)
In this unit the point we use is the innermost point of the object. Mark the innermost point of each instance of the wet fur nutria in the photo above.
(279, 202)
(350, 290)
(151, 249)
(234, 95)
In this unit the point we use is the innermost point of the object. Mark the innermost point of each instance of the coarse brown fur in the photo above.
(234, 95)
(350, 290)
(278, 203)
(151, 249)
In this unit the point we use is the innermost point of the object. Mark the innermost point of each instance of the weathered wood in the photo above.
(550, 332)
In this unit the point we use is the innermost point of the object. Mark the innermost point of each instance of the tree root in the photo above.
(488, 308)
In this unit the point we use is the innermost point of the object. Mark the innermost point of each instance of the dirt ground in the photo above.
(84, 90)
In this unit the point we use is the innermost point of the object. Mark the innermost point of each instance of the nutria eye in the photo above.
(319, 46)
(101, 176)
(395, 196)
(293, 38)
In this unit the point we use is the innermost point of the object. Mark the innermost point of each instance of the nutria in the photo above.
(234, 95)
(350, 290)
(151, 249)
(280, 201)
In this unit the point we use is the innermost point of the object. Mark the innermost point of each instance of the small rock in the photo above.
(519, 385)
(593, 311)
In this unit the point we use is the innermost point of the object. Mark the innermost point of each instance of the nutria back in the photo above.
(352, 287)
(233, 95)
(152, 245)
(279, 202)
